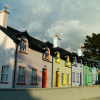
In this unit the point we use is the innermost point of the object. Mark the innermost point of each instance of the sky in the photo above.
(71, 20)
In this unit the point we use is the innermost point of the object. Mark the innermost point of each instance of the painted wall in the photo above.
(77, 69)
(62, 69)
(88, 77)
(94, 75)
(7, 57)
(32, 60)
(66, 93)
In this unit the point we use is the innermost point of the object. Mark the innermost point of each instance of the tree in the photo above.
(92, 47)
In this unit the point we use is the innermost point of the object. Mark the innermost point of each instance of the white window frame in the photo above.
(21, 74)
(6, 74)
(34, 75)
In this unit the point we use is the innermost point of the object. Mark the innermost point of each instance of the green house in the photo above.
(87, 72)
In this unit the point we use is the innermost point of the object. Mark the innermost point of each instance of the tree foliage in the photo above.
(91, 45)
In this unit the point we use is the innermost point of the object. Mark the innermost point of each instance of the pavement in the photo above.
(96, 98)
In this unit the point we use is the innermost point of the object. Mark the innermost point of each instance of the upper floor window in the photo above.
(46, 54)
(23, 44)
(5, 71)
(81, 63)
(57, 57)
(67, 61)
(75, 61)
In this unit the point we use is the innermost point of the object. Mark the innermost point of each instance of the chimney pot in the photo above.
(4, 8)
(56, 35)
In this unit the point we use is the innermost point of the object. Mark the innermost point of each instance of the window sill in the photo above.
(57, 62)
(68, 84)
(46, 59)
(4, 82)
(22, 52)
(33, 84)
(63, 84)
(21, 83)
(77, 81)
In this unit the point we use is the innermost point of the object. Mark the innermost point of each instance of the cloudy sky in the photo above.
(71, 20)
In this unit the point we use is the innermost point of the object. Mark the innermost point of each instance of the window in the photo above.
(81, 63)
(75, 62)
(23, 46)
(73, 76)
(21, 75)
(88, 78)
(4, 75)
(34, 76)
(57, 57)
(86, 66)
(46, 54)
(67, 61)
(63, 78)
(92, 77)
(77, 77)
(68, 79)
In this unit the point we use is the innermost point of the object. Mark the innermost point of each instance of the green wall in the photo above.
(87, 75)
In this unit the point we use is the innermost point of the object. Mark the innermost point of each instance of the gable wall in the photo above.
(7, 57)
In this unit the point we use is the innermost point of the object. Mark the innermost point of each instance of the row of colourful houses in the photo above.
(26, 62)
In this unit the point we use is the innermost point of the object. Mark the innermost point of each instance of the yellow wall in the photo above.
(62, 69)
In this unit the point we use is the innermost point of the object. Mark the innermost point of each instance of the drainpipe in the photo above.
(15, 66)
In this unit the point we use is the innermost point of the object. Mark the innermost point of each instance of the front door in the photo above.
(57, 78)
(80, 78)
(44, 78)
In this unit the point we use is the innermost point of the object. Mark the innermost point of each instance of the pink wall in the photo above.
(32, 60)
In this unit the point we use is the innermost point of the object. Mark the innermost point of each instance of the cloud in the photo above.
(72, 20)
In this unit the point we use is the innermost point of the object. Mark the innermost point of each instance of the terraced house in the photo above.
(61, 69)
(26, 62)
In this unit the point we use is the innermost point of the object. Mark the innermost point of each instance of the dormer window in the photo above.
(75, 62)
(46, 54)
(81, 63)
(57, 57)
(67, 61)
(23, 46)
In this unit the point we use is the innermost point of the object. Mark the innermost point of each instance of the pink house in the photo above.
(25, 62)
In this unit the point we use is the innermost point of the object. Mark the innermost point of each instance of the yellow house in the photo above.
(61, 69)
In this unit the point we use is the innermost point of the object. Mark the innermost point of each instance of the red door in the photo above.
(44, 78)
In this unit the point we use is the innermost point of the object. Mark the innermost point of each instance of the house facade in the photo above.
(87, 72)
(61, 69)
(8, 50)
(77, 70)
(25, 61)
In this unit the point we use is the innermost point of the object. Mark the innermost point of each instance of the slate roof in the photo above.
(14, 34)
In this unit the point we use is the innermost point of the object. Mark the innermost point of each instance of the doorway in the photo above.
(57, 78)
(44, 78)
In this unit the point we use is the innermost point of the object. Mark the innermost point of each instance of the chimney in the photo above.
(56, 41)
(80, 52)
(4, 17)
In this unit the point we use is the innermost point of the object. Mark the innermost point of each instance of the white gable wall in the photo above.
(7, 57)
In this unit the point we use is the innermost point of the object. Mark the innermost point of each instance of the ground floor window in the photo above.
(63, 78)
(68, 78)
(73, 75)
(21, 74)
(34, 76)
(5, 72)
